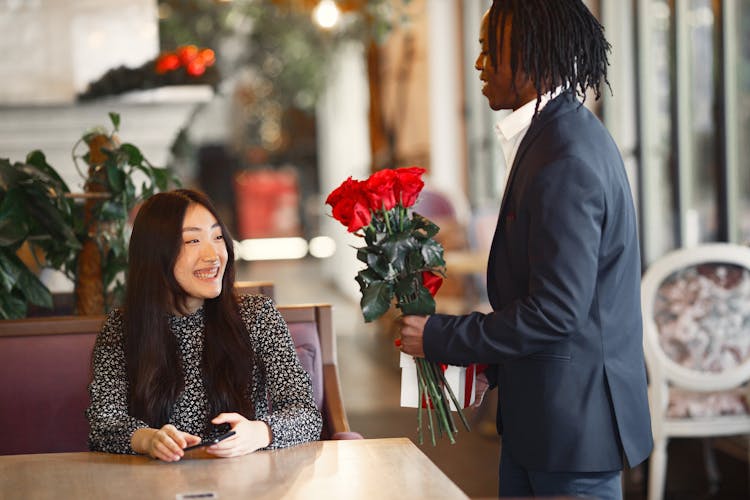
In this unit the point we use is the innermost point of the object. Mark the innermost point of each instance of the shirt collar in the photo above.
(520, 119)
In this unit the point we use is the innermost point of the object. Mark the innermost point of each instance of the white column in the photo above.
(446, 158)
(343, 151)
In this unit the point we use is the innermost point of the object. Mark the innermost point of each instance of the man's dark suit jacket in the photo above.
(564, 340)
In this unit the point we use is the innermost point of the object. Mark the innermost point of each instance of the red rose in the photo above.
(187, 53)
(167, 62)
(207, 56)
(409, 184)
(431, 282)
(380, 189)
(195, 68)
(350, 205)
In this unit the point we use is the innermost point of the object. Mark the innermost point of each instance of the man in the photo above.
(563, 342)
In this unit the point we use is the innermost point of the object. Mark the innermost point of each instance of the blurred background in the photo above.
(268, 105)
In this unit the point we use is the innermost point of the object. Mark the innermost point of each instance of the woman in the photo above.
(185, 359)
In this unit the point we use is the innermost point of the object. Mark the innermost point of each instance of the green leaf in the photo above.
(11, 233)
(376, 300)
(396, 249)
(12, 307)
(134, 155)
(115, 177)
(422, 304)
(38, 160)
(365, 277)
(34, 290)
(10, 268)
(432, 253)
(115, 119)
(378, 264)
(423, 226)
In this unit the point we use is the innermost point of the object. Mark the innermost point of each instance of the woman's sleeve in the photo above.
(110, 425)
(293, 416)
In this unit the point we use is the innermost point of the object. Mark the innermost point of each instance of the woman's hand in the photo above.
(164, 444)
(251, 435)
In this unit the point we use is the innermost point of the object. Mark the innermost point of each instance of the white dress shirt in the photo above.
(512, 129)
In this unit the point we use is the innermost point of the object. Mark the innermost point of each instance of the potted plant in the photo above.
(34, 211)
(84, 235)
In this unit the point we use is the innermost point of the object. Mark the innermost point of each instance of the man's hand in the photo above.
(412, 334)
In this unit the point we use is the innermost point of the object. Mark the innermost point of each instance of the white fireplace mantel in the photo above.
(150, 119)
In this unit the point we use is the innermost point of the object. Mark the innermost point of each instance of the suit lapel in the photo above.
(550, 111)
(561, 104)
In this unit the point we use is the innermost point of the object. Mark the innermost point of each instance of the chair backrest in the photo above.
(255, 288)
(696, 312)
(45, 369)
(311, 327)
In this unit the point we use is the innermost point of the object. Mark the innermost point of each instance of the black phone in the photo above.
(209, 442)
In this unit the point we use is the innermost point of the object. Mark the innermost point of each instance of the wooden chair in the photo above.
(254, 288)
(45, 369)
(696, 339)
(315, 322)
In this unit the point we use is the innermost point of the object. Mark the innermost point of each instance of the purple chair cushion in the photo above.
(307, 344)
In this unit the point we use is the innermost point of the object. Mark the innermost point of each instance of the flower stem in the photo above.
(441, 384)
(419, 405)
(455, 402)
(437, 400)
(421, 379)
(387, 220)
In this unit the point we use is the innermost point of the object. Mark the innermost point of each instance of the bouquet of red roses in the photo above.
(404, 263)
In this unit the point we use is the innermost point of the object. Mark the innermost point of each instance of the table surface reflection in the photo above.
(356, 469)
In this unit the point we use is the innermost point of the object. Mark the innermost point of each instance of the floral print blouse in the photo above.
(280, 388)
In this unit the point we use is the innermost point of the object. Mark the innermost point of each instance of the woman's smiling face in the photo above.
(200, 265)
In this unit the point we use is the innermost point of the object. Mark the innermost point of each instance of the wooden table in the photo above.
(356, 469)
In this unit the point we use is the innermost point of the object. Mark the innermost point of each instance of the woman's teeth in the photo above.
(207, 274)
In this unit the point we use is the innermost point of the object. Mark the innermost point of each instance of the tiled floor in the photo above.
(368, 366)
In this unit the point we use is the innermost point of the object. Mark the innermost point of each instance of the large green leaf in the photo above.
(34, 290)
(115, 177)
(421, 304)
(378, 264)
(10, 268)
(376, 300)
(38, 160)
(397, 249)
(432, 253)
(133, 154)
(11, 231)
(423, 226)
(11, 307)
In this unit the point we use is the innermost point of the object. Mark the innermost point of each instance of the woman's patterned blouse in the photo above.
(280, 390)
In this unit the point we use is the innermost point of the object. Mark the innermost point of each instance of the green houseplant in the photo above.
(100, 223)
(84, 235)
(35, 211)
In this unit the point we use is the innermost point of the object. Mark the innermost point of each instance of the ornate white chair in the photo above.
(696, 313)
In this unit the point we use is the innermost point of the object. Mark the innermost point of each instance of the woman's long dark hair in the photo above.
(155, 373)
(558, 43)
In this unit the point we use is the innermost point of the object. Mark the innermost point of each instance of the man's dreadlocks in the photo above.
(558, 43)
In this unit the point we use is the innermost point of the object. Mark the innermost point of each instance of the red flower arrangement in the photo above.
(194, 60)
(186, 65)
(404, 263)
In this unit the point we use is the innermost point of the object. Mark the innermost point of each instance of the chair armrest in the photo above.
(341, 436)
(334, 414)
